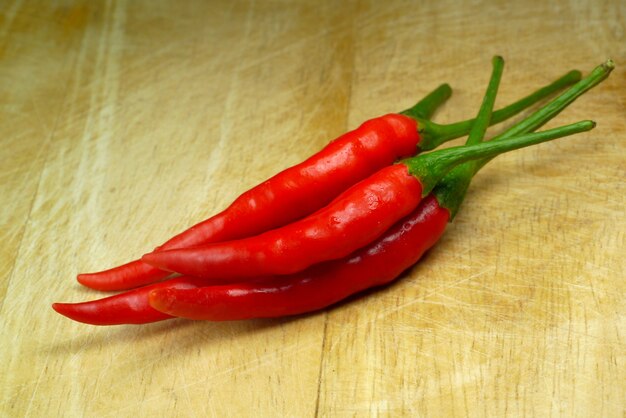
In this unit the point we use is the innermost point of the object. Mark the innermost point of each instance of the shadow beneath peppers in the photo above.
(382, 289)
(172, 335)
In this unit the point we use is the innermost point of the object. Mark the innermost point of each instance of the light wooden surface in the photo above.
(124, 122)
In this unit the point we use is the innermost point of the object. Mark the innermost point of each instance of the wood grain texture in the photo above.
(124, 122)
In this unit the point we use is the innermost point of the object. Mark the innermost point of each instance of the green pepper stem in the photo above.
(549, 111)
(460, 177)
(450, 192)
(485, 113)
(425, 108)
(436, 134)
(432, 167)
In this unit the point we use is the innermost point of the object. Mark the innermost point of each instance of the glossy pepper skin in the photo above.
(310, 185)
(287, 196)
(318, 287)
(354, 219)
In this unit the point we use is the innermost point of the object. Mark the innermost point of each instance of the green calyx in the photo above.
(433, 134)
(450, 192)
(432, 167)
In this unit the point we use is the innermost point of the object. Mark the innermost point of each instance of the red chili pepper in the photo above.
(387, 252)
(354, 219)
(306, 187)
(130, 307)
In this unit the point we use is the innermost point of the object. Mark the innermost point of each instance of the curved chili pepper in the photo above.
(130, 307)
(306, 187)
(354, 219)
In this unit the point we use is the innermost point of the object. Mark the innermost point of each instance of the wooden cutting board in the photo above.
(124, 122)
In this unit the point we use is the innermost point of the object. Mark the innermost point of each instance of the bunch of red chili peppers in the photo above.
(353, 216)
